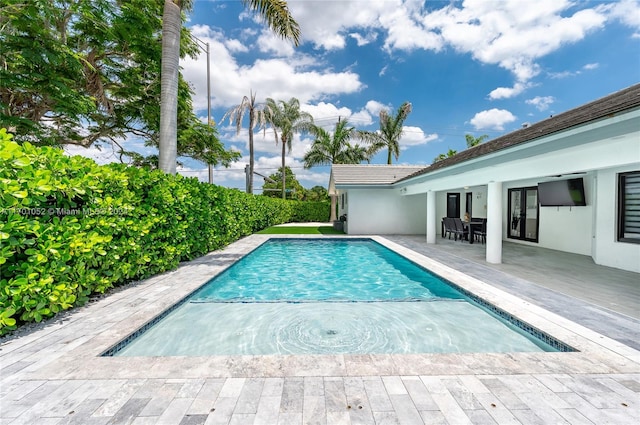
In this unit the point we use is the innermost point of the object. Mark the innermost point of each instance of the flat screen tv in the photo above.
(562, 193)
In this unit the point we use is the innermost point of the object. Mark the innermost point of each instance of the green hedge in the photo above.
(311, 211)
(70, 228)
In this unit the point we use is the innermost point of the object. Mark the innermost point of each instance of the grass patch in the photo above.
(300, 230)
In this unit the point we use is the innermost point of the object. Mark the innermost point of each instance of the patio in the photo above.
(53, 375)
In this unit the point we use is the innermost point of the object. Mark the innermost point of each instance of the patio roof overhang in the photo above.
(604, 143)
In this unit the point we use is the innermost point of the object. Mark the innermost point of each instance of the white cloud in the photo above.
(103, 155)
(374, 107)
(566, 74)
(105, 152)
(407, 33)
(627, 12)
(415, 136)
(563, 74)
(361, 118)
(307, 177)
(265, 142)
(507, 92)
(383, 71)
(268, 42)
(512, 34)
(364, 116)
(492, 119)
(202, 174)
(542, 103)
(326, 114)
(363, 40)
(298, 76)
(235, 45)
(326, 24)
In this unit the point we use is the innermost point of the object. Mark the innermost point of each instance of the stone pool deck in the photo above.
(54, 374)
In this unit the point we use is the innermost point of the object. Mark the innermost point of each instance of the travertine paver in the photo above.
(53, 374)
(458, 403)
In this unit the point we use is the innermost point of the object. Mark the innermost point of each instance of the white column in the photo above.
(431, 217)
(494, 223)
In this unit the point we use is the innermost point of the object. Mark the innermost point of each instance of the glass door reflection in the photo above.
(523, 214)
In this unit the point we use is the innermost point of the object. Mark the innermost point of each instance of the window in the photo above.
(629, 207)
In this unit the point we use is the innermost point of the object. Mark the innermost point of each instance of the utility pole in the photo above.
(209, 166)
(205, 47)
(247, 176)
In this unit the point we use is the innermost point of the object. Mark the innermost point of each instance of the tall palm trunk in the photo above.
(251, 160)
(168, 143)
(284, 175)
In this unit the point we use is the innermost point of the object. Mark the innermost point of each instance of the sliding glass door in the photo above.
(522, 220)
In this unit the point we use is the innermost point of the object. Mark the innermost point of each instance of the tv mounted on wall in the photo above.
(562, 193)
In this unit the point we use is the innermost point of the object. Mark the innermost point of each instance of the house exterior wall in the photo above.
(561, 228)
(384, 211)
(478, 205)
(607, 250)
(568, 229)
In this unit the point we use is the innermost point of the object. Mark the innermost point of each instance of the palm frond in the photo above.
(278, 17)
(335, 148)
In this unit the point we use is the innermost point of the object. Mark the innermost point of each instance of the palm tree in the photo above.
(390, 132)
(442, 156)
(474, 141)
(335, 148)
(236, 114)
(276, 15)
(171, 27)
(287, 118)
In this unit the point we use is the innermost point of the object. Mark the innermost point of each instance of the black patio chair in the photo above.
(481, 233)
(459, 229)
(448, 227)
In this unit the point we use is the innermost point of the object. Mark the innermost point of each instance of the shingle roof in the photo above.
(607, 106)
(345, 174)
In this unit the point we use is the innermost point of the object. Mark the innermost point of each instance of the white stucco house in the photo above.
(516, 181)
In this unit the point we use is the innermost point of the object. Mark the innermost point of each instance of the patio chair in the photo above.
(449, 228)
(481, 234)
(459, 229)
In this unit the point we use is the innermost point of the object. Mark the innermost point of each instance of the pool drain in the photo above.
(332, 332)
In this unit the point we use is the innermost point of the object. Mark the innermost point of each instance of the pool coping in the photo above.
(133, 307)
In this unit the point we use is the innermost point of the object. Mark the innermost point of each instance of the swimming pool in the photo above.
(330, 296)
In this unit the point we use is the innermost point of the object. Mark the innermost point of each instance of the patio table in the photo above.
(471, 226)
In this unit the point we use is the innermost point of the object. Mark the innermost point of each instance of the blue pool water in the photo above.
(321, 270)
(305, 296)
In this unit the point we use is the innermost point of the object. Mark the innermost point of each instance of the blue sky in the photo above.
(468, 67)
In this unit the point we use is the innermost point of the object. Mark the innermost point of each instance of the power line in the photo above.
(199, 170)
(335, 118)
